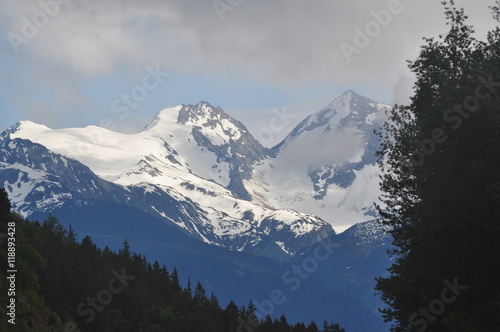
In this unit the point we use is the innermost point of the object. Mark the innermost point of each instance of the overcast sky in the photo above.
(71, 64)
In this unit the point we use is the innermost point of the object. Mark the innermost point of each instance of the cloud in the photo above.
(331, 148)
(282, 43)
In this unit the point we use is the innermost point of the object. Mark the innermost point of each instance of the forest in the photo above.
(68, 285)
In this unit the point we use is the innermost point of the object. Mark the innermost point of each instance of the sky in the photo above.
(116, 63)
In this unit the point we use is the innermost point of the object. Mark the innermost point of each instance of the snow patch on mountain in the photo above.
(28, 180)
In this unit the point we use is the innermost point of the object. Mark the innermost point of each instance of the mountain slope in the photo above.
(239, 275)
(326, 166)
(150, 175)
(232, 143)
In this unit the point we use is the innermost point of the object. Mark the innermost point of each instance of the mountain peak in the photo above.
(349, 92)
(202, 129)
(201, 112)
(347, 110)
(347, 96)
(352, 100)
(28, 126)
(165, 115)
(187, 114)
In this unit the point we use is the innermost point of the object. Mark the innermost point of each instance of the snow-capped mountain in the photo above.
(327, 165)
(198, 168)
(179, 168)
(226, 148)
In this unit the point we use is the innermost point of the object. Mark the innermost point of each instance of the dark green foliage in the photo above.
(441, 187)
(4, 203)
(66, 285)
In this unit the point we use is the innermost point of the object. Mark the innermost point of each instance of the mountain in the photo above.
(327, 165)
(195, 190)
(150, 175)
(228, 139)
(325, 169)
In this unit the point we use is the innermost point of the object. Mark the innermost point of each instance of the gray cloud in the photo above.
(283, 43)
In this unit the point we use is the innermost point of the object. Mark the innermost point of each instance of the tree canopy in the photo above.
(440, 157)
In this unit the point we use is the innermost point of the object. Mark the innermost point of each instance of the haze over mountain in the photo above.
(326, 166)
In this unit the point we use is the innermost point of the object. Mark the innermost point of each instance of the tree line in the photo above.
(68, 285)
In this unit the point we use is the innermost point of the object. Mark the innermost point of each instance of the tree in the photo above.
(441, 187)
(332, 327)
(200, 295)
(189, 290)
(125, 251)
(214, 302)
(231, 317)
(175, 280)
(5, 205)
(312, 327)
(72, 235)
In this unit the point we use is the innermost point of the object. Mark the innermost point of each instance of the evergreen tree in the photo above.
(72, 235)
(441, 187)
(175, 279)
(189, 290)
(200, 295)
(4, 203)
(125, 251)
(312, 327)
(214, 302)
